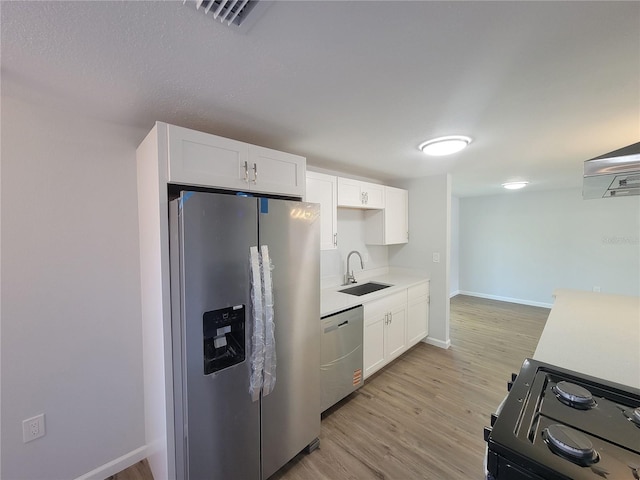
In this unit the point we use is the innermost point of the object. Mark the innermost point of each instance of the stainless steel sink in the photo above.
(365, 288)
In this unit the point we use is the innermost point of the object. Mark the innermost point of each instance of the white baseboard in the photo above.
(453, 294)
(437, 342)
(116, 465)
(506, 299)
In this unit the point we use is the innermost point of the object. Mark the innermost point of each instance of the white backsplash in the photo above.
(351, 237)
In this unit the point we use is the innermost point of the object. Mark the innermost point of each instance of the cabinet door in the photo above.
(349, 193)
(418, 322)
(396, 333)
(322, 189)
(391, 224)
(374, 332)
(357, 194)
(374, 195)
(418, 313)
(396, 216)
(276, 172)
(198, 158)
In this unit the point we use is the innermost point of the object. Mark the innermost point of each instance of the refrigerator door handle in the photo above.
(269, 326)
(257, 330)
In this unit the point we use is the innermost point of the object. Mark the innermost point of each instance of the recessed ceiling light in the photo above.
(515, 185)
(445, 145)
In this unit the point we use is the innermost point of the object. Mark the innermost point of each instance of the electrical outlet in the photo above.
(33, 428)
(436, 257)
(596, 289)
(365, 257)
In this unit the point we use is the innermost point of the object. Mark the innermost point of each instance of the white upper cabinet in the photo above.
(275, 171)
(323, 189)
(357, 194)
(197, 158)
(390, 225)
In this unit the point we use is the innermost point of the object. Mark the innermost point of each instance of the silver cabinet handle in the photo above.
(335, 239)
(246, 172)
(255, 173)
(386, 319)
(366, 198)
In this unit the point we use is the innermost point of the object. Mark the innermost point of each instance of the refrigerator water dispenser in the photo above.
(223, 332)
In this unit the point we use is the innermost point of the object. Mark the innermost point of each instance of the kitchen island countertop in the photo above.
(594, 333)
(333, 301)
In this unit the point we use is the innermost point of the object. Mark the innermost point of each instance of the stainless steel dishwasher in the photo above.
(342, 357)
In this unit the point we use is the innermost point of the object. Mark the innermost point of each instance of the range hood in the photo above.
(614, 174)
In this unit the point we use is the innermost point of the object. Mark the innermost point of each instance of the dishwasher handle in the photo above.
(333, 327)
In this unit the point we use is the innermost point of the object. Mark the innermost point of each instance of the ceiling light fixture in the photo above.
(515, 185)
(444, 145)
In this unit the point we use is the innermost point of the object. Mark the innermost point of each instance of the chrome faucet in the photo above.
(349, 277)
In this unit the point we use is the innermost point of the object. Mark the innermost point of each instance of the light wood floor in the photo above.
(422, 416)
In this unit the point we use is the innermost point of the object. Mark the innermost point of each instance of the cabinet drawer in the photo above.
(417, 291)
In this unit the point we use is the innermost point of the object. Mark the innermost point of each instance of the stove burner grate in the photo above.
(633, 415)
(570, 444)
(574, 395)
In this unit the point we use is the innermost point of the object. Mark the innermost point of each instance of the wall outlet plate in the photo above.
(33, 428)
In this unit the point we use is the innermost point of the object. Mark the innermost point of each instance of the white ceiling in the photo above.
(353, 85)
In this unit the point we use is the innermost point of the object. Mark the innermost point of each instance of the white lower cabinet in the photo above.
(374, 330)
(385, 324)
(417, 313)
(396, 342)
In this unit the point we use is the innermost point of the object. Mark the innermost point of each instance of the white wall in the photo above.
(71, 330)
(429, 232)
(522, 245)
(454, 274)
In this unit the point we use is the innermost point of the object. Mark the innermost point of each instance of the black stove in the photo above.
(558, 424)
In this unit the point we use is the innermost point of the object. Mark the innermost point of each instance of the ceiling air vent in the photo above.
(231, 12)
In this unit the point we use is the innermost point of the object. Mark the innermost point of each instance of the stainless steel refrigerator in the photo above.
(224, 430)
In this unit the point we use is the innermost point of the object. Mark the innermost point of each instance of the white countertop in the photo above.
(594, 333)
(332, 301)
